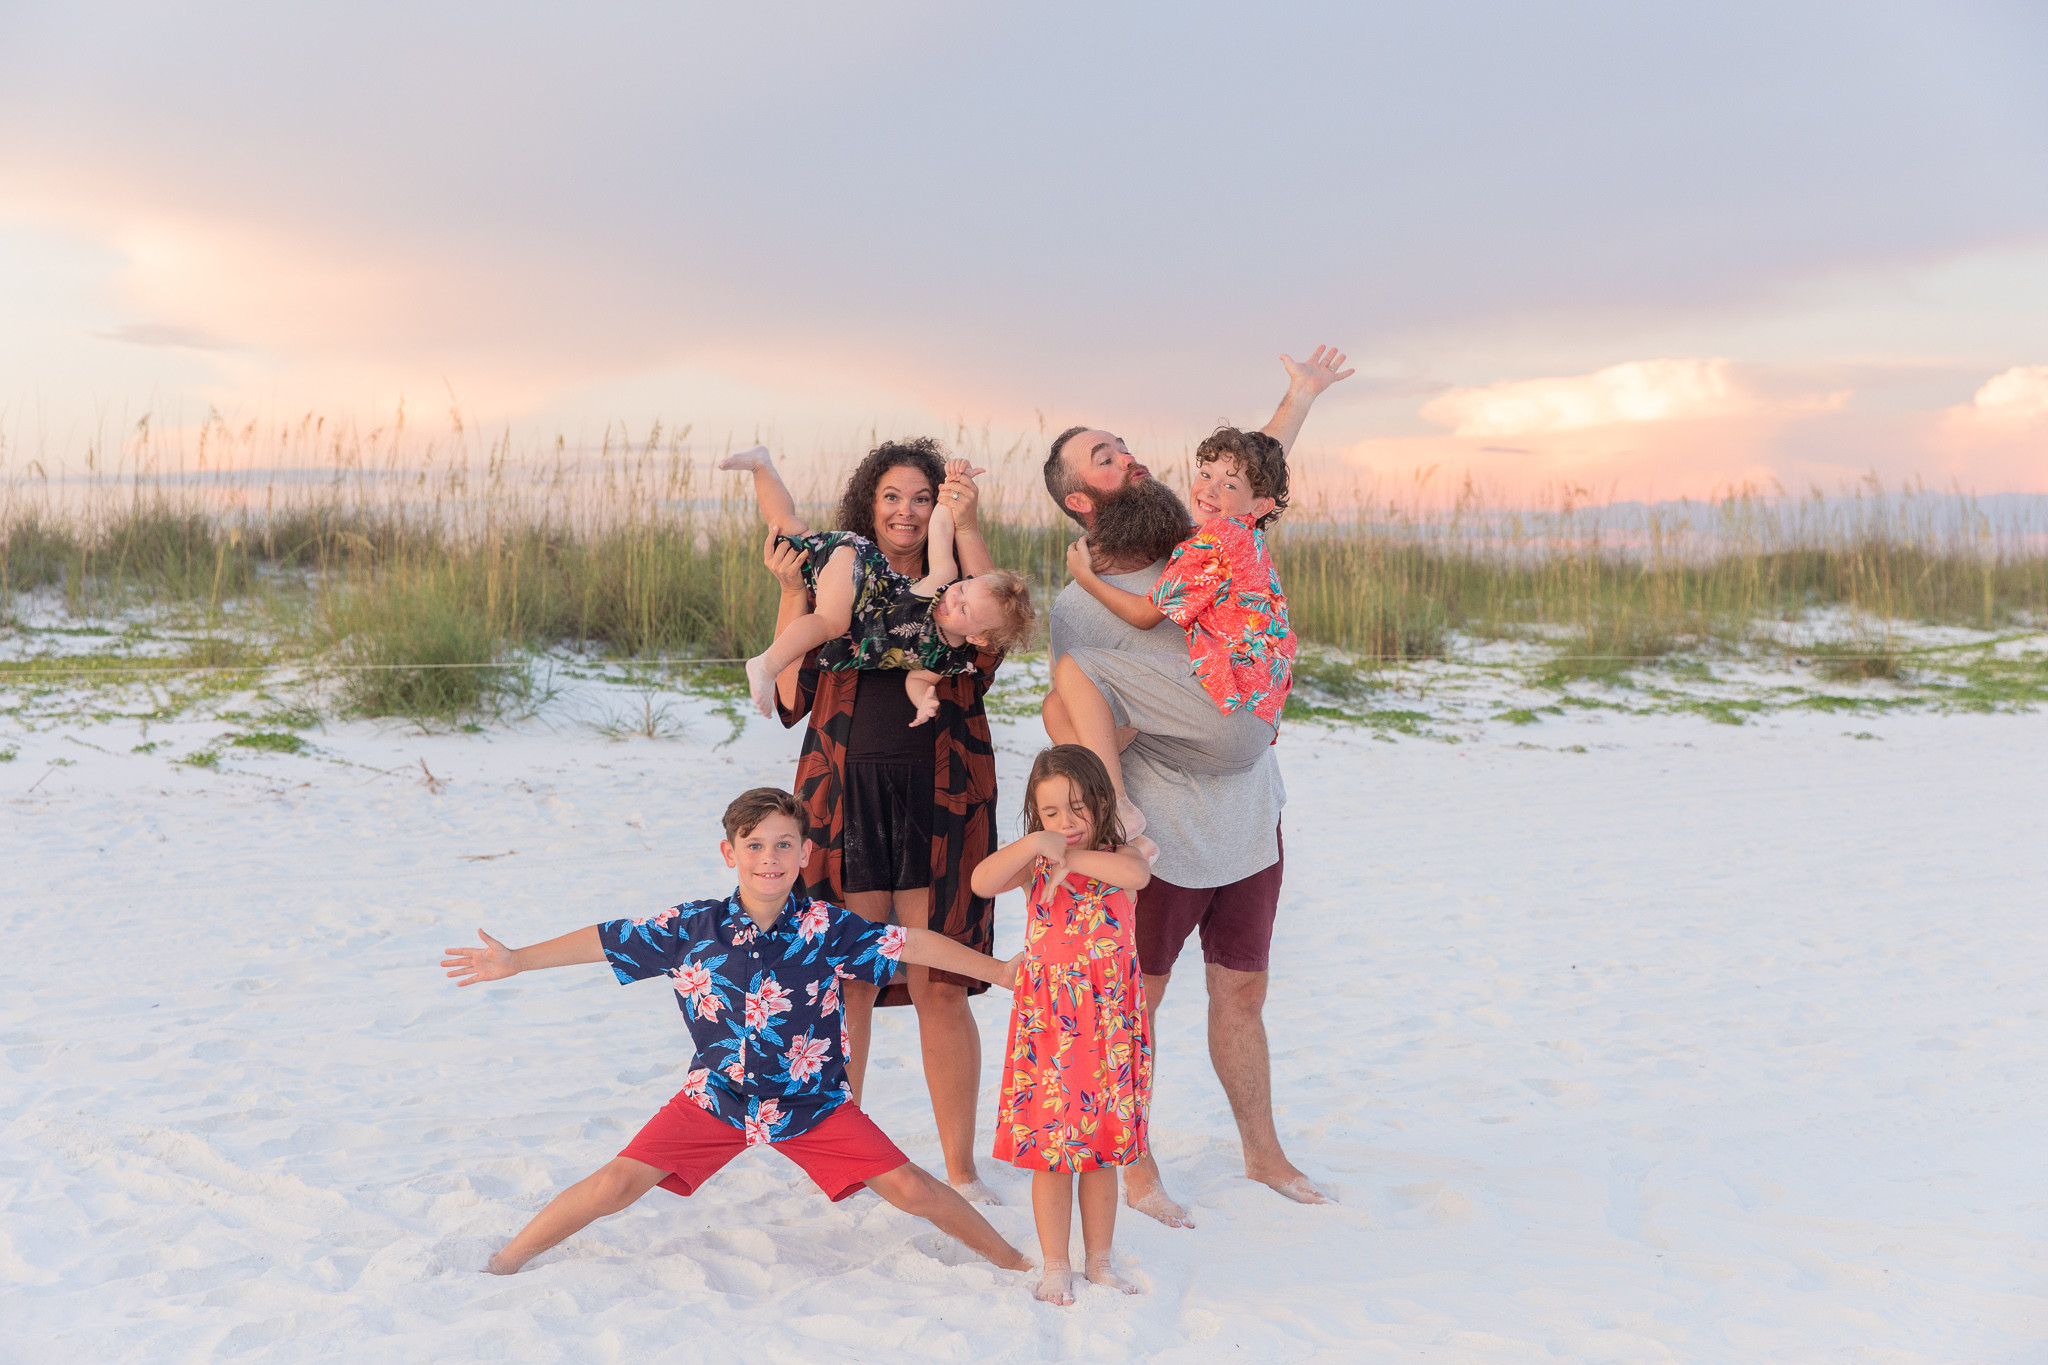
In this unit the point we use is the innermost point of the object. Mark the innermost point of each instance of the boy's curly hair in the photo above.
(750, 808)
(857, 502)
(1012, 594)
(1260, 460)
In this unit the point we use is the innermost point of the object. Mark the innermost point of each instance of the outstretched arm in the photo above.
(923, 948)
(1306, 379)
(1129, 607)
(494, 961)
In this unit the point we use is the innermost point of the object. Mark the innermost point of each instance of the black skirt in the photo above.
(886, 839)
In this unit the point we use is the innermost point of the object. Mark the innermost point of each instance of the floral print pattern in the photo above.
(1077, 1077)
(759, 1002)
(1221, 587)
(892, 626)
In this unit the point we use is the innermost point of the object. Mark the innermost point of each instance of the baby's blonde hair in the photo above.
(1012, 594)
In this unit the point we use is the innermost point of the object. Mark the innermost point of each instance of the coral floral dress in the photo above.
(1078, 1078)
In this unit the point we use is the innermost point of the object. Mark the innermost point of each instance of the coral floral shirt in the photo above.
(1221, 587)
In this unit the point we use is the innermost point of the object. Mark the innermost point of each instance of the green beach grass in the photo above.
(421, 573)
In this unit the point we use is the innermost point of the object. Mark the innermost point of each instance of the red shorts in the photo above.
(842, 1153)
(1236, 921)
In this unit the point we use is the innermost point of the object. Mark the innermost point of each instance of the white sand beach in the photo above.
(1704, 1043)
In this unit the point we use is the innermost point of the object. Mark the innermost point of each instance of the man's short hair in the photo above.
(750, 808)
(1060, 480)
(1260, 460)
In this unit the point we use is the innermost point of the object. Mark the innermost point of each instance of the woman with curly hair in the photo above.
(901, 815)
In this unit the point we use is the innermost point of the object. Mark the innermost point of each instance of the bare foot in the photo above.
(761, 683)
(1154, 1203)
(1057, 1286)
(1018, 1261)
(756, 458)
(1145, 849)
(1292, 1183)
(1100, 1273)
(974, 1192)
(499, 1265)
(1128, 815)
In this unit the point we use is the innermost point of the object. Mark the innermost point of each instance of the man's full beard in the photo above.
(1138, 524)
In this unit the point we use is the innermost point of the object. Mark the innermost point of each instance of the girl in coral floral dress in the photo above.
(1078, 1077)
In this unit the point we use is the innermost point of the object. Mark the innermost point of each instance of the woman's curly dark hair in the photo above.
(857, 503)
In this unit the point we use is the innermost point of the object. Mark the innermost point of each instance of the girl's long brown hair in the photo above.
(1081, 767)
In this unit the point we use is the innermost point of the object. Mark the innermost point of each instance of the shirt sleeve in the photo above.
(1195, 579)
(862, 949)
(640, 948)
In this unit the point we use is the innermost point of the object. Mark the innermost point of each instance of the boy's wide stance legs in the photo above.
(613, 1187)
(616, 1185)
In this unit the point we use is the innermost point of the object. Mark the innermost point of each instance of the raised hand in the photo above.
(959, 495)
(492, 962)
(785, 562)
(1318, 372)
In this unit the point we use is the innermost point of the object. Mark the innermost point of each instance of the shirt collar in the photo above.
(742, 924)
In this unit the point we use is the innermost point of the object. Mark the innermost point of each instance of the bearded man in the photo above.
(1220, 860)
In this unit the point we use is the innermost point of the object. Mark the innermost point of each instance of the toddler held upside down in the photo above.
(865, 614)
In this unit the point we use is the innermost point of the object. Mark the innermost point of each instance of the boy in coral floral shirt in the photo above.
(756, 975)
(1220, 586)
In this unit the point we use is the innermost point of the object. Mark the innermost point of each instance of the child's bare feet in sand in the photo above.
(1144, 1193)
(1100, 1273)
(761, 683)
(755, 458)
(1058, 1284)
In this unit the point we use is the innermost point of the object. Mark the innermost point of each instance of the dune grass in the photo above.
(422, 572)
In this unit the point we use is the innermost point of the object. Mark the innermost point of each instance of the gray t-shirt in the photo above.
(1212, 828)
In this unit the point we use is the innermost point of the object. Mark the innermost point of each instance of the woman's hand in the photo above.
(785, 561)
(1013, 968)
(959, 496)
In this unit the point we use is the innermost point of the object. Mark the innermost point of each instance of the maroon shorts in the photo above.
(841, 1154)
(1236, 921)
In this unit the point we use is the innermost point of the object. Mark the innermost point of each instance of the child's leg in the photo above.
(778, 508)
(1098, 1226)
(828, 619)
(916, 1191)
(613, 1187)
(1059, 727)
(1052, 1208)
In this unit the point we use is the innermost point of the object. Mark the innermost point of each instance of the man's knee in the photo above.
(1235, 992)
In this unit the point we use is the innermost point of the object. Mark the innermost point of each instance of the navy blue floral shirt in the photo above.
(762, 1005)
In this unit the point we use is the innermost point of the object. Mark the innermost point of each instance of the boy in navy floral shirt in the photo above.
(756, 976)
